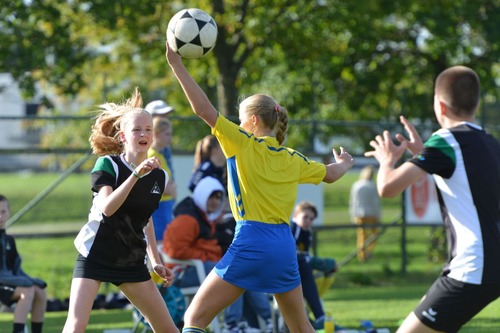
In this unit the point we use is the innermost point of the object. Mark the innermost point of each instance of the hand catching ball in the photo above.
(192, 33)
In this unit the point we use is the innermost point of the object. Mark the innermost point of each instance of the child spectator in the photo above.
(162, 136)
(209, 160)
(161, 109)
(28, 292)
(303, 217)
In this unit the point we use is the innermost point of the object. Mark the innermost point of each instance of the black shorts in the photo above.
(116, 275)
(449, 303)
(6, 293)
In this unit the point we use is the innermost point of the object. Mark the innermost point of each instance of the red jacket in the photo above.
(192, 233)
(184, 239)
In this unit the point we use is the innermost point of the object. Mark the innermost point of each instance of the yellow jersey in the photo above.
(263, 176)
(164, 166)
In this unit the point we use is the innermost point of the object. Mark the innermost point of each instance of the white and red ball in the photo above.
(192, 33)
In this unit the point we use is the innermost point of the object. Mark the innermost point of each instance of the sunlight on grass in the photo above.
(376, 290)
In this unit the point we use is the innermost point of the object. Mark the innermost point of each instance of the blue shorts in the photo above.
(162, 217)
(261, 258)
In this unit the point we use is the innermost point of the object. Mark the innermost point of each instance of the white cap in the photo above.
(158, 107)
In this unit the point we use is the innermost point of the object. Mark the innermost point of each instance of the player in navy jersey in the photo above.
(316, 273)
(119, 237)
(465, 163)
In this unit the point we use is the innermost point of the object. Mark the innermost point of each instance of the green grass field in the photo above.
(376, 290)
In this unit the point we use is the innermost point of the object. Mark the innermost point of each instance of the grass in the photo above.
(377, 290)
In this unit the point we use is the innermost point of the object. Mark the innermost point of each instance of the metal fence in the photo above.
(44, 165)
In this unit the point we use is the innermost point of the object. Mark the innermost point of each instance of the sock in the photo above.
(18, 328)
(326, 285)
(192, 329)
(36, 327)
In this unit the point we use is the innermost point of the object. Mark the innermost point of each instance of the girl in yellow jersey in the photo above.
(263, 178)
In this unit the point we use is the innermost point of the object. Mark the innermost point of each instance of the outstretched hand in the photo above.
(385, 151)
(415, 143)
(343, 157)
(343, 162)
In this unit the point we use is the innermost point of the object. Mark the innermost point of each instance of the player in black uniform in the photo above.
(119, 237)
(465, 163)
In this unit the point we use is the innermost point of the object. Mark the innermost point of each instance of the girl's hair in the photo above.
(4, 198)
(203, 149)
(160, 124)
(274, 116)
(110, 120)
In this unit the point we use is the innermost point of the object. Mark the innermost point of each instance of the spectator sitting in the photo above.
(209, 160)
(17, 286)
(191, 234)
(160, 109)
(303, 216)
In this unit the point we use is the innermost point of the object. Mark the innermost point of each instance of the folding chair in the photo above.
(173, 297)
(189, 292)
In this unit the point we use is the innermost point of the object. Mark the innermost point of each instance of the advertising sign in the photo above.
(421, 203)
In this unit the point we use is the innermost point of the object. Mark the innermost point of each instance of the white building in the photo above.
(11, 104)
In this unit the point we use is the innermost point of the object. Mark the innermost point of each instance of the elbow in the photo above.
(107, 211)
(387, 192)
(107, 214)
(328, 180)
(330, 177)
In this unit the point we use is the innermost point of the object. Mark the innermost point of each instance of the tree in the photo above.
(342, 60)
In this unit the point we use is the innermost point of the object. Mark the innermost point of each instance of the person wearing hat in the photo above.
(160, 108)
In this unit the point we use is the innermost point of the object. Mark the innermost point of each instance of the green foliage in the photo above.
(347, 61)
(374, 290)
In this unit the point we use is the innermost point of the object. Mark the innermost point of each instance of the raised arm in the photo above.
(197, 98)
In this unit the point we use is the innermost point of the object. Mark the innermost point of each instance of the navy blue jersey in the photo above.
(303, 238)
(208, 169)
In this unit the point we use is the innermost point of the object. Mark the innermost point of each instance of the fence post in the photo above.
(404, 254)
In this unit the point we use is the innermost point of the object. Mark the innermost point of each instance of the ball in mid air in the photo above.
(192, 33)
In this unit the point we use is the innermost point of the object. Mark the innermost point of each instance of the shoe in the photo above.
(319, 323)
(245, 328)
(269, 326)
(231, 328)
